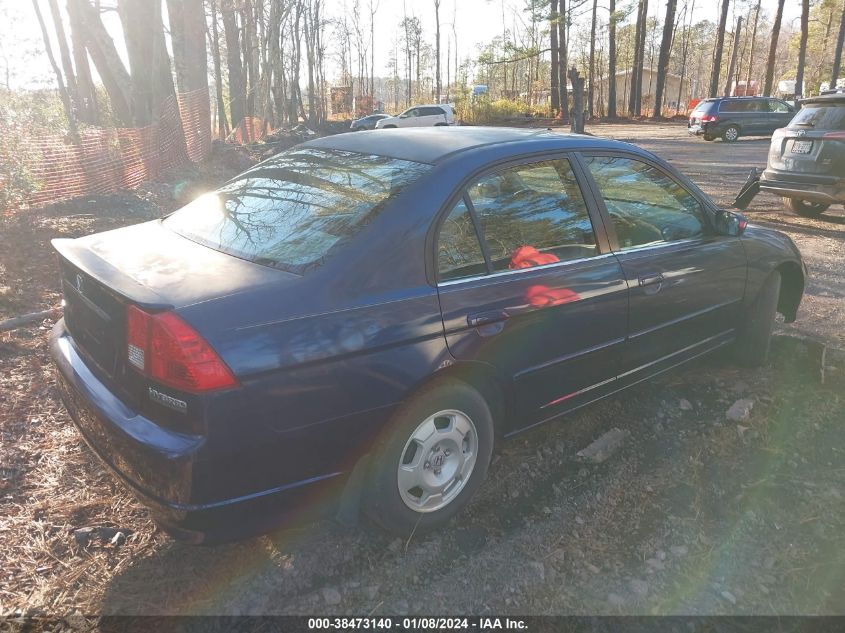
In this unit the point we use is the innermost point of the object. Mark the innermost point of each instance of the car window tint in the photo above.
(458, 250)
(778, 106)
(534, 214)
(296, 209)
(821, 116)
(645, 205)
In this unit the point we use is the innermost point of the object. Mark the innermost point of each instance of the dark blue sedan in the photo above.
(357, 321)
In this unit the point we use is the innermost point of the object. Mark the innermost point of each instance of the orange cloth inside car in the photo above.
(528, 256)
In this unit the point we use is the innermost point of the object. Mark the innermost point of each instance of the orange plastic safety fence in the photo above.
(104, 160)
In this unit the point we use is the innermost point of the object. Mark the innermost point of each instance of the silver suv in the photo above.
(807, 157)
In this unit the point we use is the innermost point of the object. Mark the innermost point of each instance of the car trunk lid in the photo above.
(148, 266)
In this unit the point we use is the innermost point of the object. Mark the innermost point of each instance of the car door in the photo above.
(410, 118)
(686, 282)
(529, 287)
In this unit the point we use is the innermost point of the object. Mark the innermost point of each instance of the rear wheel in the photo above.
(805, 208)
(433, 461)
(755, 333)
(387, 127)
(709, 137)
(731, 133)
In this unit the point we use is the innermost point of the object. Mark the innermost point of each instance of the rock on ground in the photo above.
(740, 410)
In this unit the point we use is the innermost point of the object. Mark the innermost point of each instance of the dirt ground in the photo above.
(695, 514)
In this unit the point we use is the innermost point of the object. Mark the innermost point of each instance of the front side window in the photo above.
(778, 106)
(645, 204)
(533, 215)
(293, 211)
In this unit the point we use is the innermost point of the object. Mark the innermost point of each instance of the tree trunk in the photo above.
(222, 124)
(554, 85)
(720, 45)
(149, 61)
(100, 46)
(732, 64)
(577, 124)
(90, 112)
(64, 54)
(802, 49)
(636, 72)
(187, 35)
(237, 84)
(437, 51)
(773, 49)
(753, 43)
(563, 63)
(63, 91)
(592, 66)
(684, 56)
(663, 59)
(837, 56)
(611, 62)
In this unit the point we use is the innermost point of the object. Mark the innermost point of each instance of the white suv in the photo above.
(420, 116)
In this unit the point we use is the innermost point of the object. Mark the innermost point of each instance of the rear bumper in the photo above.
(158, 465)
(699, 129)
(823, 189)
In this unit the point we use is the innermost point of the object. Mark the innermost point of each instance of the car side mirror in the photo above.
(730, 223)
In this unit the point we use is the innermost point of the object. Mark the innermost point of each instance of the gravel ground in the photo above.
(725, 498)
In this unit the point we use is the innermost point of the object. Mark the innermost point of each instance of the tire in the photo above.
(730, 134)
(440, 124)
(388, 127)
(805, 208)
(709, 137)
(755, 333)
(448, 424)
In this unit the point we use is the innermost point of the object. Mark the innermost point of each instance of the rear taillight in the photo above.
(835, 136)
(708, 118)
(168, 350)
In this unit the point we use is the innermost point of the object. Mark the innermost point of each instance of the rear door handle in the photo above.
(483, 318)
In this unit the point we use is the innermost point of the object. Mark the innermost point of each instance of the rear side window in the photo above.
(532, 215)
(458, 249)
(297, 209)
(733, 106)
(821, 116)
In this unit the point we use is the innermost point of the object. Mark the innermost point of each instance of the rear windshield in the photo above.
(822, 116)
(704, 106)
(292, 211)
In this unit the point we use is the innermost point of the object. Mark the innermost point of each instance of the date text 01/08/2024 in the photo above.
(481, 624)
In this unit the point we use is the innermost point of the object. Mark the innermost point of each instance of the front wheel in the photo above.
(433, 460)
(755, 333)
(805, 208)
(731, 133)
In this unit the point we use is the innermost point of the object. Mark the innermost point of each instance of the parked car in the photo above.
(421, 116)
(732, 117)
(807, 158)
(359, 319)
(368, 122)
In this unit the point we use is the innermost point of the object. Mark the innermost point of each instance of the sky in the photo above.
(478, 21)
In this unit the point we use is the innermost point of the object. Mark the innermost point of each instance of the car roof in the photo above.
(434, 144)
(826, 98)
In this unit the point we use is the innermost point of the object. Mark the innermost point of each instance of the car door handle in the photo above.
(651, 279)
(484, 318)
